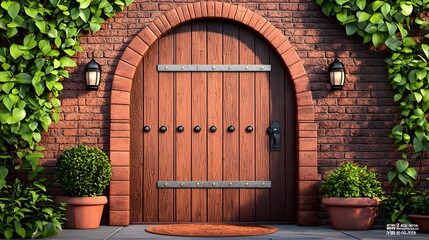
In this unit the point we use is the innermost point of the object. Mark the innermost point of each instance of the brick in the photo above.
(308, 173)
(119, 158)
(119, 218)
(125, 70)
(119, 203)
(119, 188)
(120, 97)
(119, 144)
(120, 112)
(120, 173)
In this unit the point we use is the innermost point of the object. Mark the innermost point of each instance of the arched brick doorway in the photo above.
(306, 129)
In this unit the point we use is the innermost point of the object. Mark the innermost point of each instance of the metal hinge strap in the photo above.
(213, 184)
(213, 68)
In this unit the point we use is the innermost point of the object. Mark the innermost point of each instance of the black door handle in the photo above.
(274, 131)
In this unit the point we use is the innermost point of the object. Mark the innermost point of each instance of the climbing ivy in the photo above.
(38, 39)
(400, 26)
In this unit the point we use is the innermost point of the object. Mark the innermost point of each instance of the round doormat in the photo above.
(211, 230)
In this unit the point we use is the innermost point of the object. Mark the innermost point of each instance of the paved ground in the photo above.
(285, 232)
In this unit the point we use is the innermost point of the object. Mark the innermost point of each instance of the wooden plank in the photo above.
(165, 55)
(214, 118)
(277, 158)
(262, 162)
(136, 156)
(150, 143)
(183, 118)
(247, 118)
(231, 211)
(199, 118)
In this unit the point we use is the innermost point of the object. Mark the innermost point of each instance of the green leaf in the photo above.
(376, 18)
(361, 4)
(385, 9)
(401, 165)
(13, 10)
(3, 172)
(6, 87)
(391, 28)
(85, 14)
(23, 78)
(411, 172)
(15, 51)
(377, 39)
(95, 26)
(67, 62)
(418, 96)
(403, 178)
(351, 29)
(425, 49)
(393, 43)
(407, 9)
(376, 5)
(362, 16)
(391, 175)
(84, 3)
(8, 233)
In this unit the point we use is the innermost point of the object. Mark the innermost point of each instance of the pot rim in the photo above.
(351, 201)
(97, 200)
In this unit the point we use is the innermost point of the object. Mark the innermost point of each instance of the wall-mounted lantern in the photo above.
(337, 75)
(93, 74)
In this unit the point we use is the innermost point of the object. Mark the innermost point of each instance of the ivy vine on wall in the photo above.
(399, 25)
(38, 39)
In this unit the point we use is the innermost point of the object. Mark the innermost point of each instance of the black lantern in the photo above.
(93, 74)
(337, 75)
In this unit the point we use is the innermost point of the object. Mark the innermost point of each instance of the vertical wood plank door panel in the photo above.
(219, 100)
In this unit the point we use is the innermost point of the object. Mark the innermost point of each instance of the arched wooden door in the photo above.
(182, 130)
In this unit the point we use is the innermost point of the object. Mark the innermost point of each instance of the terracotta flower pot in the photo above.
(352, 213)
(422, 221)
(83, 212)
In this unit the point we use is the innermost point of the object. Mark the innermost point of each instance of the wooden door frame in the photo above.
(306, 130)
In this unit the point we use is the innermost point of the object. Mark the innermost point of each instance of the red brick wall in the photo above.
(353, 124)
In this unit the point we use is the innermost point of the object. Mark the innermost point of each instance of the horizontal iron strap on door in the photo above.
(214, 68)
(213, 184)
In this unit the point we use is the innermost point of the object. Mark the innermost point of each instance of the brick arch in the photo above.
(307, 202)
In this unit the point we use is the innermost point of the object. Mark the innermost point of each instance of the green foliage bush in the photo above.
(83, 171)
(420, 203)
(27, 212)
(351, 180)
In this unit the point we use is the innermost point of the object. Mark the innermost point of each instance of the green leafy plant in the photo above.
(27, 212)
(389, 23)
(397, 205)
(351, 180)
(83, 171)
(420, 203)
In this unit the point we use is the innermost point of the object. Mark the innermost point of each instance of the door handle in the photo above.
(274, 131)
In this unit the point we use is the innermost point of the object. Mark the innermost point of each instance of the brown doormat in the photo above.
(211, 230)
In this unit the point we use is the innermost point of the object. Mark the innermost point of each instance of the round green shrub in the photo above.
(351, 180)
(83, 171)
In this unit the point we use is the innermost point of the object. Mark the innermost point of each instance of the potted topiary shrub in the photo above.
(83, 172)
(351, 197)
(419, 202)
